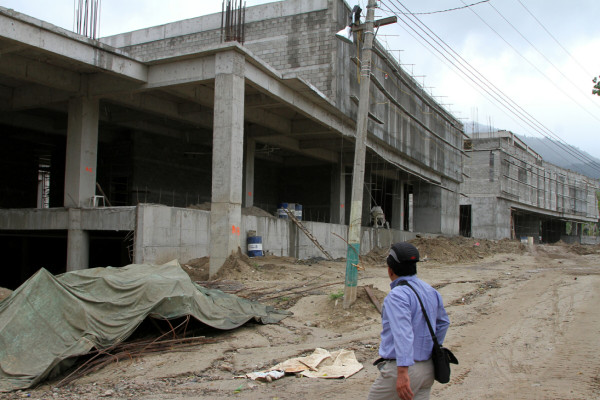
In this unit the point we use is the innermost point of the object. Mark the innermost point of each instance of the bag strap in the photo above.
(405, 283)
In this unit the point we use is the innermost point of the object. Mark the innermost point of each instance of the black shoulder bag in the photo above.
(441, 356)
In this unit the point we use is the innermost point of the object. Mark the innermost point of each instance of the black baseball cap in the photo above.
(404, 252)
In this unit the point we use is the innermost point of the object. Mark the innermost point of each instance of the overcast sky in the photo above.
(539, 55)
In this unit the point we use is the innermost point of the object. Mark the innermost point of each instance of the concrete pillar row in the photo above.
(227, 162)
(80, 175)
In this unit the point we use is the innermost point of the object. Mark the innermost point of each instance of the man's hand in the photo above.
(403, 384)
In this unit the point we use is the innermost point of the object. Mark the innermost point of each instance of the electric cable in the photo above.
(555, 40)
(484, 84)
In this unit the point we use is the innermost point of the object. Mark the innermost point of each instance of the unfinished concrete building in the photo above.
(511, 192)
(107, 143)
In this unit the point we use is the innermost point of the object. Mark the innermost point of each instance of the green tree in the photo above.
(596, 89)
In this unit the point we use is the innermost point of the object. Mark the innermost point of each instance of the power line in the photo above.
(471, 73)
(451, 9)
(571, 149)
(556, 40)
(549, 62)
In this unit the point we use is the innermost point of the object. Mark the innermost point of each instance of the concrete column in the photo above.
(427, 208)
(78, 243)
(249, 173)
(82, 150)
(398, 206)
(338, 195)
(228, 147)
(80, 175)
(366, 204)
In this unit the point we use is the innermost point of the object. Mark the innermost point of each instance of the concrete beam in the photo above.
(195, 70)
(198, 93)
(261, 100)
(165, 108)
(33, 33)
(62, 79)
(42, 73)
(269, 120)
(293, 145)
(337, 144)
(306, 125)
(35, 96)
(276, 89)
(147, 126)
(11, 49)
(31, 122)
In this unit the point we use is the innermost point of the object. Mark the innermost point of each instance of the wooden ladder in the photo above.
(307, 232)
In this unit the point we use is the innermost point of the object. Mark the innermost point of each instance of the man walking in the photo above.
(405, 366)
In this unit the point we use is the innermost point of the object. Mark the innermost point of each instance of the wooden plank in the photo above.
(369, 290)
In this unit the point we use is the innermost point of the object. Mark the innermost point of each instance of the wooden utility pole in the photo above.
(358, 171)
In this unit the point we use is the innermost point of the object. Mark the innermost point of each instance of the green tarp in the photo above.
(50, 318)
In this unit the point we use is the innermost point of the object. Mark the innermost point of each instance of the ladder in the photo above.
(307, 232)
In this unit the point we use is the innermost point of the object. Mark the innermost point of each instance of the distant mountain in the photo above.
(557, 153)
(564, 155)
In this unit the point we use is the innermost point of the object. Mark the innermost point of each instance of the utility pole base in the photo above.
(349, 296)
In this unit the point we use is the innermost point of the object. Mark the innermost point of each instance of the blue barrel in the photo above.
(254, 246)
(281, 210)
(298, 212)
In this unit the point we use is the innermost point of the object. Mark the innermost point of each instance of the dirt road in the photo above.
(525, 325)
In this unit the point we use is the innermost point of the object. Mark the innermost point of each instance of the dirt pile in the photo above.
(4, 293)
(376, 256)
(237, 266)
(453, 250)
(202, 206)
(577, 248)
(197, 269)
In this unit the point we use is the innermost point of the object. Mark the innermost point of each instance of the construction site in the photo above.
(219, 156)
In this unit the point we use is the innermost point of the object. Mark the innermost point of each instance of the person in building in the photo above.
(405, 367)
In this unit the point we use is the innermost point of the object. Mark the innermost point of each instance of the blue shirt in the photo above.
(405, 335)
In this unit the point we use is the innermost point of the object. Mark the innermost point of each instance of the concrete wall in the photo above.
(109, 218)
(289, 35)
(590, 240)
(488, 216)
(166, 233)
(436, 208)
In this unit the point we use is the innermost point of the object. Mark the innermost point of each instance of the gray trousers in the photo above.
(420, 375)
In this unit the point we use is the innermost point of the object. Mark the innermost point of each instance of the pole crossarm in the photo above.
(376, 24)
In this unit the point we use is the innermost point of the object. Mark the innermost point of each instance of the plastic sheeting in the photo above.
(50, 318)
